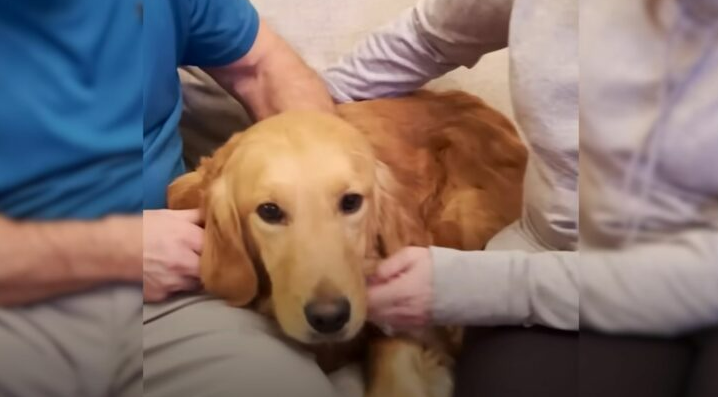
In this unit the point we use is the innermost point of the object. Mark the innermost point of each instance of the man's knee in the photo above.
(267, 367)
(67, 346)
(226, 362)
(27, 370)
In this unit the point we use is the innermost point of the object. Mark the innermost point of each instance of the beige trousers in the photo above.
(87, 344)
(198, 346)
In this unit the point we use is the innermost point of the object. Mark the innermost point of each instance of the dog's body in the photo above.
(302, 206)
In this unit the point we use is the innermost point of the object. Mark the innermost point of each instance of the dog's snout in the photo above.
(328, 316)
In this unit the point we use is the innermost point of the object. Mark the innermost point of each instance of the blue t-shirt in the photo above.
(177, 33)
(70, 108)
(82, 82)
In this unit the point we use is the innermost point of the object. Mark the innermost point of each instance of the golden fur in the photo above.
(433, 169)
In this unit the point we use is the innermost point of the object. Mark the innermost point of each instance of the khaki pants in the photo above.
(82, 345)
(197, 346)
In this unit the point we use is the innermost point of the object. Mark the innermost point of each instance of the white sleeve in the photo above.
(425, 42)
(653, 289)
(506, 288)
(667, 288)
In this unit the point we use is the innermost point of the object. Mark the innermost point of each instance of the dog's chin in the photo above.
(311, 337)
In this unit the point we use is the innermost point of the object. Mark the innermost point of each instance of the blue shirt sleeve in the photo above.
(218, 32)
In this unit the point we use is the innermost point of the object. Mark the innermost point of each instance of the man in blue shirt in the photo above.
(70, 198)
(89, 106)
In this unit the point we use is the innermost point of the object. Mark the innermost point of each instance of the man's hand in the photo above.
(272, 78)
(401, 291)
(172, 245)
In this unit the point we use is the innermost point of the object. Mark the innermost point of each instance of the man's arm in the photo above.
(39, 260)
(272, 78)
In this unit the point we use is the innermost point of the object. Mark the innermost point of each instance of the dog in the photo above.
(301, 207)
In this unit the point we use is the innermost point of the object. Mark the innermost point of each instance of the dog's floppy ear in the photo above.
(184, 192)
(188, 191)
(226, 268)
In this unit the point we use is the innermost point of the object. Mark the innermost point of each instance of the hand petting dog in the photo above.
(401, 290)
(172, 245)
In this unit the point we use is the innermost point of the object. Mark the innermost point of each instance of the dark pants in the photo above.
(533, 362)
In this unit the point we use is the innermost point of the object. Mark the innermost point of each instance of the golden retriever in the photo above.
(300, 208)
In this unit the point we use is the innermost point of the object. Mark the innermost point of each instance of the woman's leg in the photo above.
(623, 366)
(517, 362)
(703, 380)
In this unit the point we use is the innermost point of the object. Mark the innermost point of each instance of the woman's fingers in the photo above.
(402, 297)
(394, 265)
(399, 318)
(389, 295)
(382, 296)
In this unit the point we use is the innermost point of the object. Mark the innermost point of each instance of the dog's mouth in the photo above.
(316, 338)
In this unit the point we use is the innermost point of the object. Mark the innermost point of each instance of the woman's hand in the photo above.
(401, 291)
(172, 246)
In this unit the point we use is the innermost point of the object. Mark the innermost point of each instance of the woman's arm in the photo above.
(661, 288)
(425, 42)
(506, 288)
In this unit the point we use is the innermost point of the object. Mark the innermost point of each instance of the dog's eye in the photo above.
(270, 213)
(350, 203)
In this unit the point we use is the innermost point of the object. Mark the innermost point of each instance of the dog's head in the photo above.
(297, 204)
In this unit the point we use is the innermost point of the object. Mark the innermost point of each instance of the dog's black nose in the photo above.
(328, 317)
